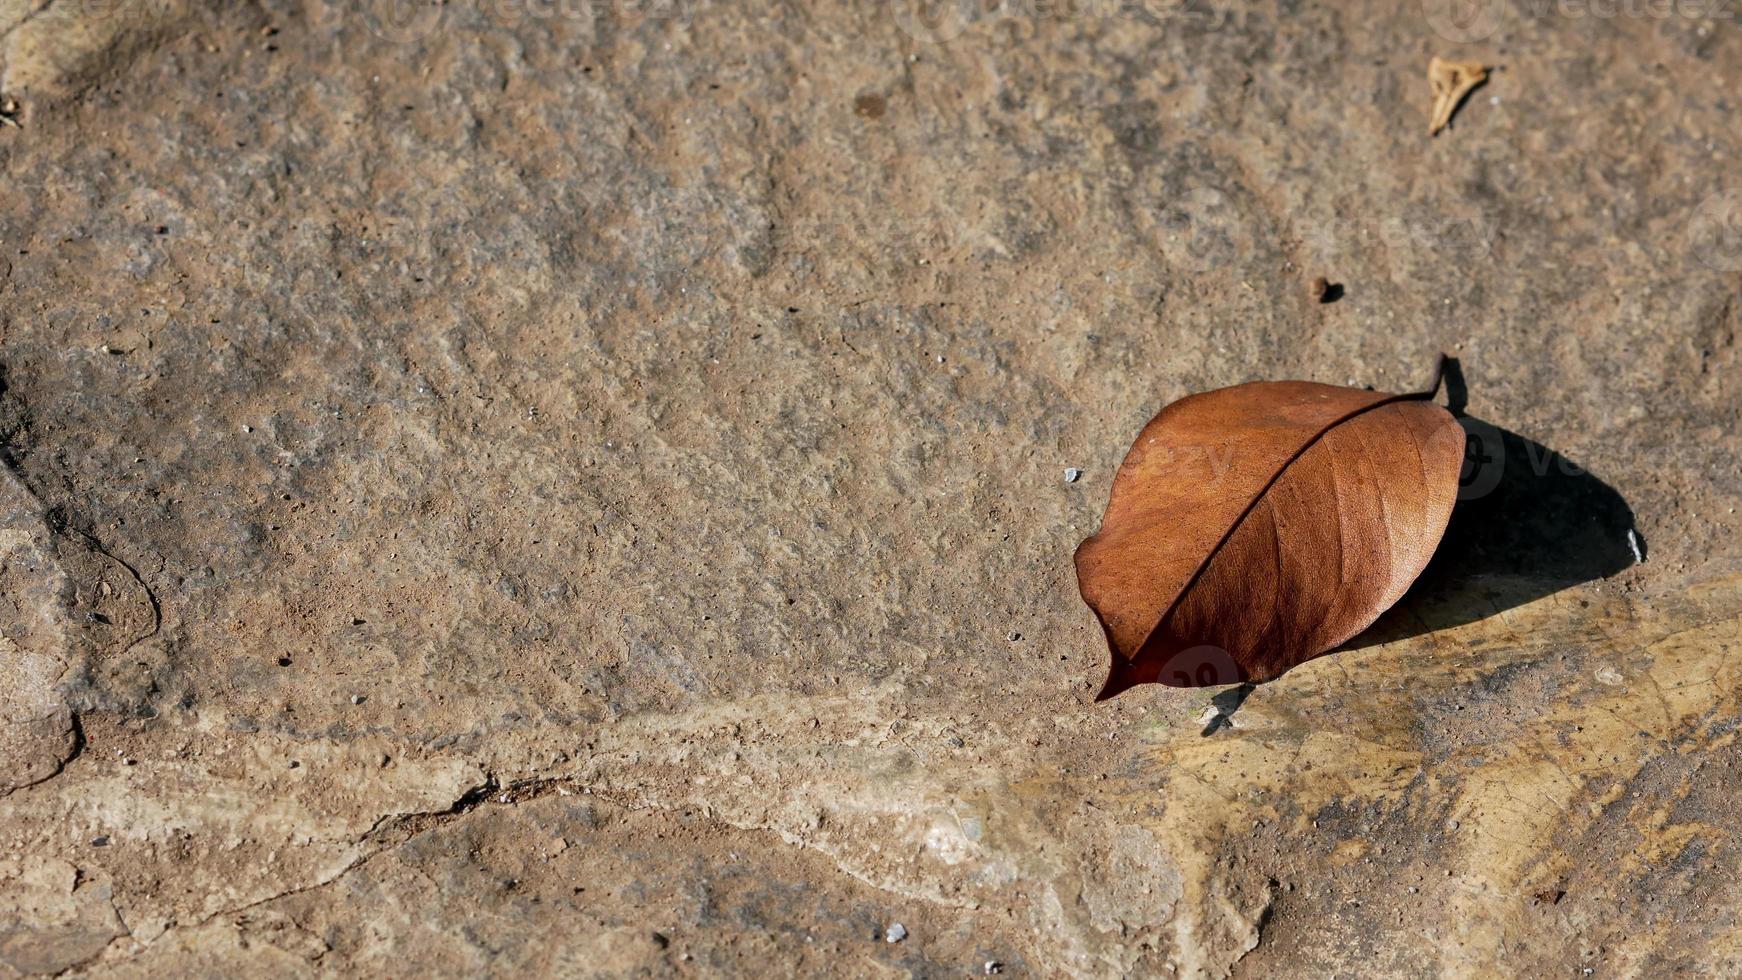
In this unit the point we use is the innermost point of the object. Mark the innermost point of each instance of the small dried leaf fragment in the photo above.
(1253, 528)
(1451, 81)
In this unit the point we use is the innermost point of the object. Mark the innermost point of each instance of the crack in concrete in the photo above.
(59, 525)
(72, 755)
(125, 933)
(400, 829)
(27, 18)
(422, 822)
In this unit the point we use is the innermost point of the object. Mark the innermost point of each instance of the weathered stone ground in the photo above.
(576, 488)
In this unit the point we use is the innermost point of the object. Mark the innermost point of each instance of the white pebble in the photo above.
(896, 933)
(1072, 474)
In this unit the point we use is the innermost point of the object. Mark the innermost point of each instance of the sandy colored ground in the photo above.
(575, 488)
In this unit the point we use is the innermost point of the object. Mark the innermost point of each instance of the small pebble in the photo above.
(1072, 474)
(100, 841)
(357, 699)
(1325, 291)
(896, 933)
(993, 966)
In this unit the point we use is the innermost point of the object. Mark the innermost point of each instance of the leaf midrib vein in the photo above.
(1260, 495)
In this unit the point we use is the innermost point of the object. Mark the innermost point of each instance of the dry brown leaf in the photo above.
(1256, 527)
(1451, 81)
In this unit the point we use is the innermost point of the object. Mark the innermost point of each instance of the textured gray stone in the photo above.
(657, 411)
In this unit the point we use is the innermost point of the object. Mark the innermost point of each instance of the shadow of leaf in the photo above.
(1528, 522)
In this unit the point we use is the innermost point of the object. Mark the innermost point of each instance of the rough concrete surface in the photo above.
(576, 487)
